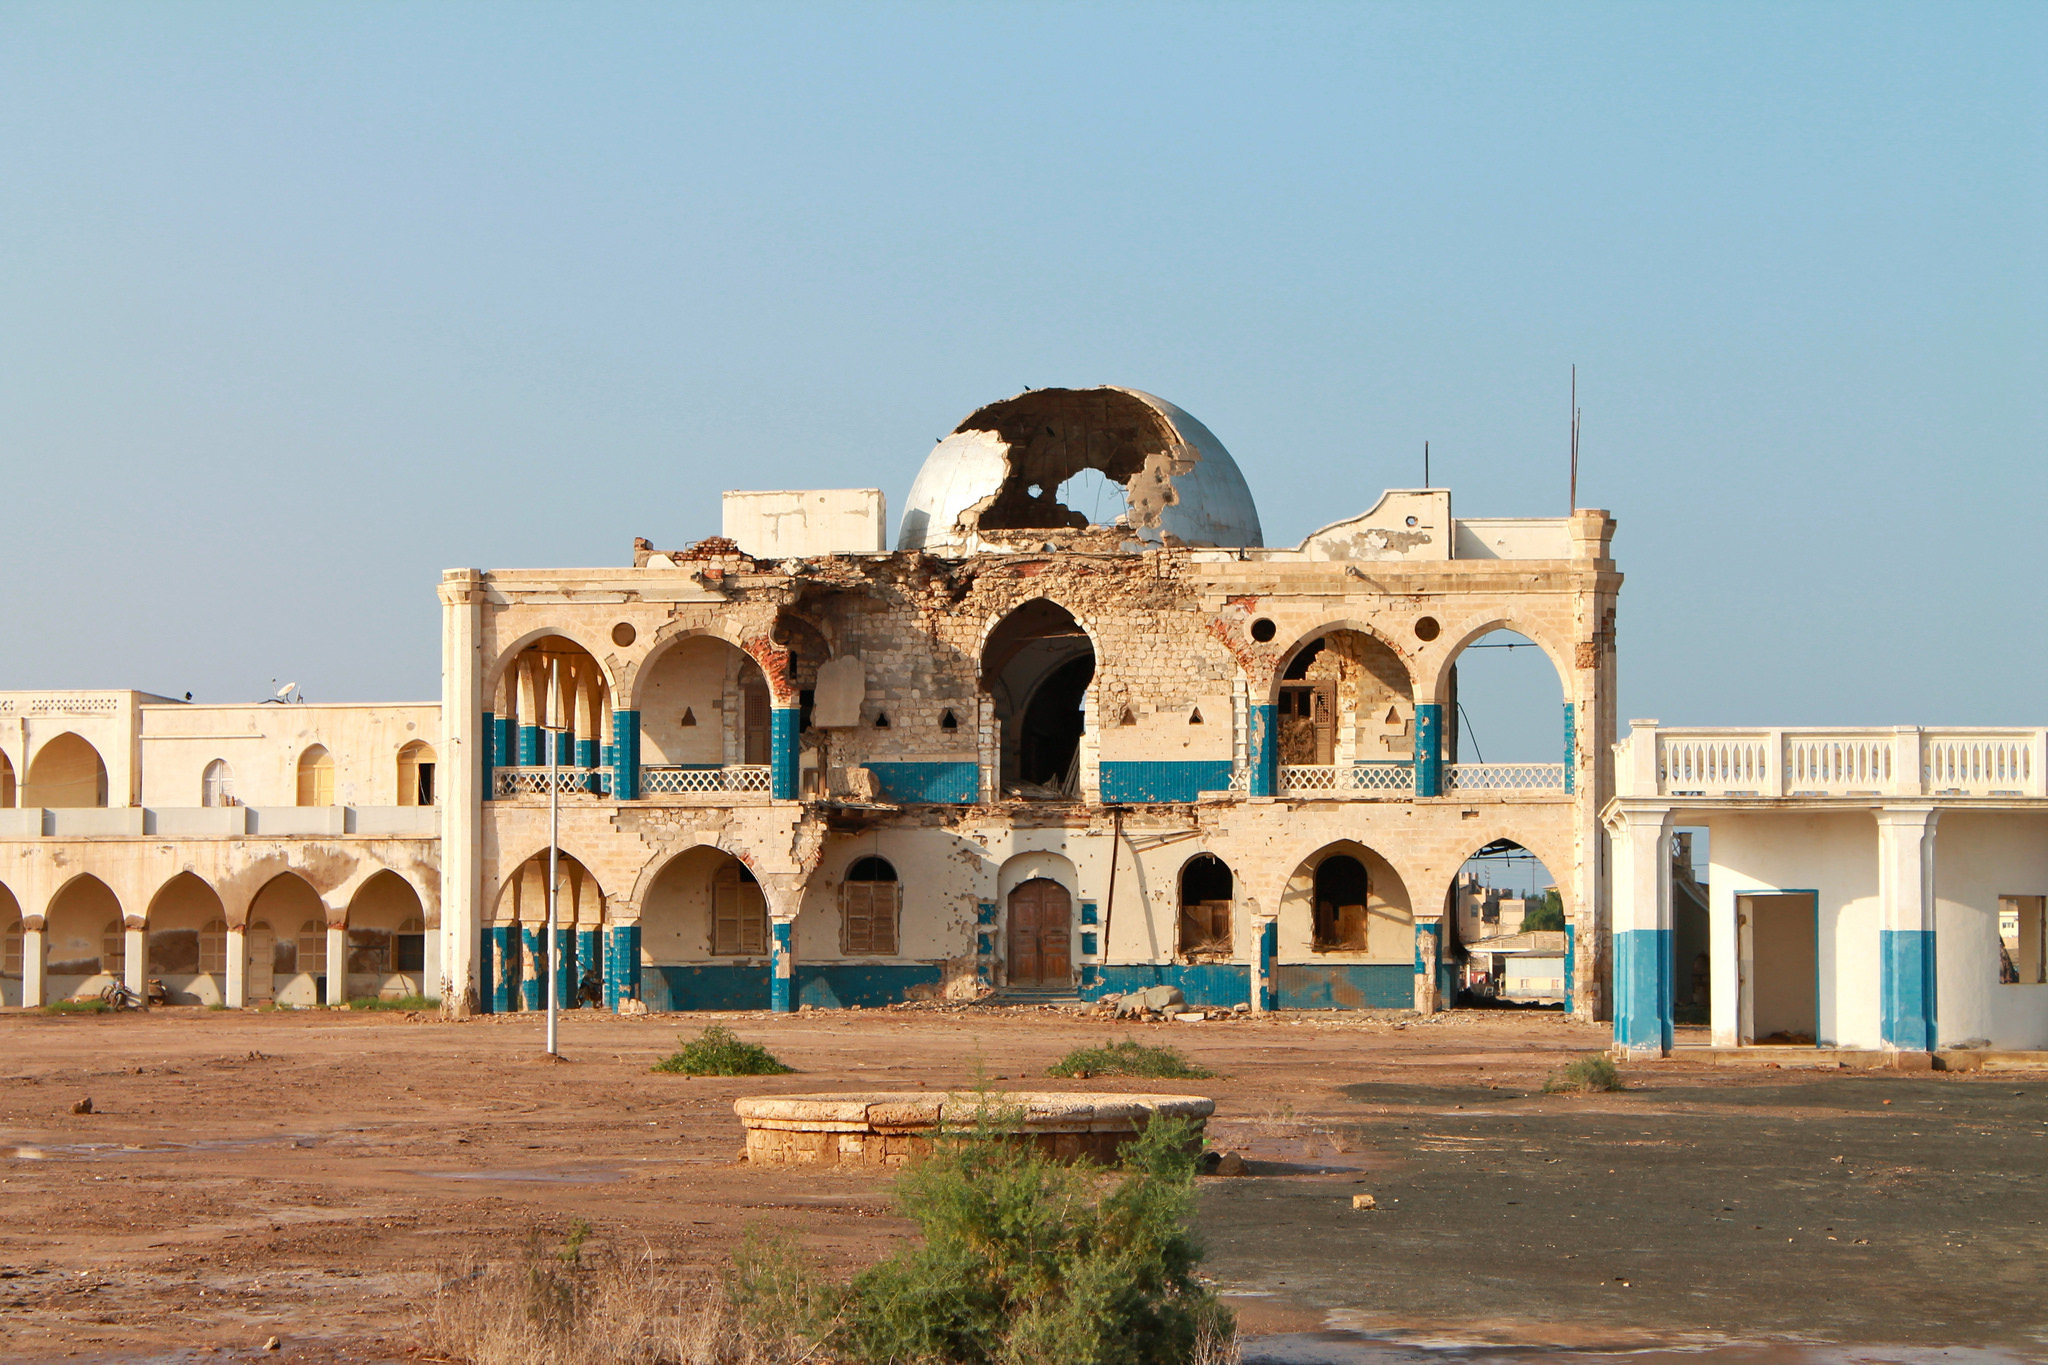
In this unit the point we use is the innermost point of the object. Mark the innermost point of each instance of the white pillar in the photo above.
(1906, 941)
(337, 964)
(31, 967)
(135, 958)
(460, 776)
(1642, 990)
(238, 968)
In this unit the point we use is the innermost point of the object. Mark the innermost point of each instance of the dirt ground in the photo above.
(313, 1175)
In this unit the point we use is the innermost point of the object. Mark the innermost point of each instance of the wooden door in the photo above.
(755, 731)
(1041, 928)
(1308, 724)
(262, 963)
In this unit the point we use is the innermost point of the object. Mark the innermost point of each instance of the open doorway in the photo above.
(1782, 957)
(1036, 667)
(1507, 922)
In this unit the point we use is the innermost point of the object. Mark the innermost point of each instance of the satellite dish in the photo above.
(286, 690)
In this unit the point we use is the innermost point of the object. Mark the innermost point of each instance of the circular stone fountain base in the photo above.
(890, 1129)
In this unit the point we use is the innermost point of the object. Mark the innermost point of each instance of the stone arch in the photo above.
(11, 947)
(1433, 662)
(1268, 689)
(1029, 665)
(315, 776)
(387, 957)
(82, 924)
(65, 772)
(1388, 912)
(7, 794)
(186, 940)
(298, 919)
(494, 675)
(705, 931)
(703, 700)
(1206, 902)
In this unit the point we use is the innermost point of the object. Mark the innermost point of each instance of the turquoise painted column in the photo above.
(587, 949)
(782, 753)
(1262, 750)
(529, 747)
(564, 745)
(488, 753)
(1642, 991)
(1571, 750)
(1907, 1019)
(531, 942)
(781, 966)
(625, 755)
(565, 969)
(1269, 959)
(1571, 963)
(500, 936)
(1907, 1015)
(1429, 761)
(622, 964)
(586, 752)
(501, 742)
(1642, 967)
(487, 970)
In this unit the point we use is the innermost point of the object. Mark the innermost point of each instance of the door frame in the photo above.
(1073, 913)
(1745, 961)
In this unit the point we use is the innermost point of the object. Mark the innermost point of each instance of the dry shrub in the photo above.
(578, 1305)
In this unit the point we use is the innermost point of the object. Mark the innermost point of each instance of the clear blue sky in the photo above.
(301, 304)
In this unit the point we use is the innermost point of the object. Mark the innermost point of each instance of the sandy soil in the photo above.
(312, 1176)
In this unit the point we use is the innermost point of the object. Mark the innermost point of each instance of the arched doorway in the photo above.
(1207, 891)
(1345, 714)
(66, 773)
(188, 942)
(520, 718)
(84, 941)
(1507, 719)
(286, 944)
(704, 935)
(1037, 667)
(516, 946)
(10, 948)
(416, 764)
(1347, 937)
(1506, 931)
(6, 782)
(316, 777)
(705, 719)
(387, 941)
(1039, 936)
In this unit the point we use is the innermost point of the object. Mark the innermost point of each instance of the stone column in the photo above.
(1262, 749)
(237, 994)
(32, 962)
(337, 962)
(473, 743)
(625, 755)
(622, 965)
(1642, 932)
(1906, 961)
(1429, 761)
(1429, 945)
(782, 754)
(782, 966)
(135, 957)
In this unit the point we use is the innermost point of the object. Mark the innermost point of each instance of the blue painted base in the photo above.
(827, 986)
(1269, 957)
(1219, 985)
(1143, 783)
(832, 986)
(1262, 750)
(718, 986)
(1906, 959)
(1344, 986)
(622, 971)
(945, 784)
(1642, 989)
(781, 970)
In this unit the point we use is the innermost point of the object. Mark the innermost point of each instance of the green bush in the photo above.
(1585, 1075)
(1028, 1259)
(77, 1007)
(718, 1052)
(1128, 1058)
(1545, 914)
(403, 1002)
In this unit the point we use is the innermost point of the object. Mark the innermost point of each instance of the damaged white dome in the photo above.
(1136, 461)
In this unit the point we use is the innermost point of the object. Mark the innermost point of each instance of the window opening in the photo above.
(739, 913)
(1195, 716)
(2022, 933)
(870, 901)
(1341, 900)
(213, 948)
(949, 721)
(689, 716)
(316, 777)
(881, 720)
(217, 784)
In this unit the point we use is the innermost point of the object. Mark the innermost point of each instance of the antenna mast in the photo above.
(1425, 464)
(1575, 438)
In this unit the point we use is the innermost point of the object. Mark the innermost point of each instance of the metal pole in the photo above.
(554, 952)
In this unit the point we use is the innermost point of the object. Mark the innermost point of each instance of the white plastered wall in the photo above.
(1978, 858)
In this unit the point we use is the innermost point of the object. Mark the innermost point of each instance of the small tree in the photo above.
(1546, 914)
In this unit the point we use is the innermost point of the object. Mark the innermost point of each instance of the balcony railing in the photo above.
(568, 781)
(1504, 777)
(738, 777)
(1905, 761)
(1391, 780)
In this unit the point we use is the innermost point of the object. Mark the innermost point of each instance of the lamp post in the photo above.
(554, 943)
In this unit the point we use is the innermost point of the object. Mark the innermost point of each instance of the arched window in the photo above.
(869, 900)
(65, 774)
(739, 913)
(213, 947)
(1340, 915)
(409, 946)
(313, 947)
(217, 784)
(316, 777)
(1206, 890)
(114, 949)
(416, 774)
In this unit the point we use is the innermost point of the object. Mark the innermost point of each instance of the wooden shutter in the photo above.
(725, 911)
(859, 916)
(1324, 701)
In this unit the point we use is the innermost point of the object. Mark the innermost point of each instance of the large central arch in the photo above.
(1037, 666)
